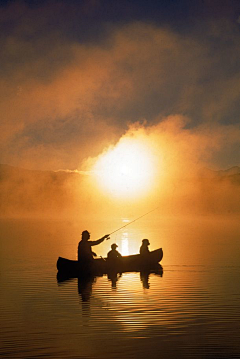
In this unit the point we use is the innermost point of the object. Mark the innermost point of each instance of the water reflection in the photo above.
(191, 312)
(124, 244)
(85, 291)
(113, 277)
(85, 283)
(144, 276)
(85, 287)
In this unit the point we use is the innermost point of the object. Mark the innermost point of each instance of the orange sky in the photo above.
(65, 99)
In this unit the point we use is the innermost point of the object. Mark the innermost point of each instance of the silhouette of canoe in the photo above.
(100, 266)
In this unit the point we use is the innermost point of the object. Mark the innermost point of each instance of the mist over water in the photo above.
(49, 194)
(191, 310)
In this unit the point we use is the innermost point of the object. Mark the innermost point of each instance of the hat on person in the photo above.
(114, 245)
(146, 241)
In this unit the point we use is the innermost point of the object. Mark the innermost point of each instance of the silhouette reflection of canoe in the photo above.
(72, 268)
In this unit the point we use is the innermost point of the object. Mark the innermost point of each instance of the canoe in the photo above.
(136, 262)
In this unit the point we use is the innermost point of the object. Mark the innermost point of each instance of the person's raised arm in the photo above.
(98, 241)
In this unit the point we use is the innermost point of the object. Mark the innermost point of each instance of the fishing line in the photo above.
(134, 220)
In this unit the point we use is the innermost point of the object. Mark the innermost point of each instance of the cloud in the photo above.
(175, 176)
(179, 151)
(181, 182)
(65, 98)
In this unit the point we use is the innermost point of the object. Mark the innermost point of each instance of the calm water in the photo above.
(191, 311)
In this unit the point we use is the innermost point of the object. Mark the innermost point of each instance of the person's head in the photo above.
(114, 246)
(85, 235)
(145, 242)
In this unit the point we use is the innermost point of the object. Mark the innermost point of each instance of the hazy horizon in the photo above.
(67, 195)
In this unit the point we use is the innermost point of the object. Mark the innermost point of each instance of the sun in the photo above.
(127, 170)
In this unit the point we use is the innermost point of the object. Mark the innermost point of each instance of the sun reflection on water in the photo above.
(124, 244)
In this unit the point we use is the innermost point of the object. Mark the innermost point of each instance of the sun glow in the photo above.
(124, 244)
(128, 169)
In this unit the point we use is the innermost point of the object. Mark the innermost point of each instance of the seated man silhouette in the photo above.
(114, 255)
(114, 261)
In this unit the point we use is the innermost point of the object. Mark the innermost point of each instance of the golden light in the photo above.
(127, 170)
(124, 244)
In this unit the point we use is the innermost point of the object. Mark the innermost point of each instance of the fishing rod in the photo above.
(133, 220)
